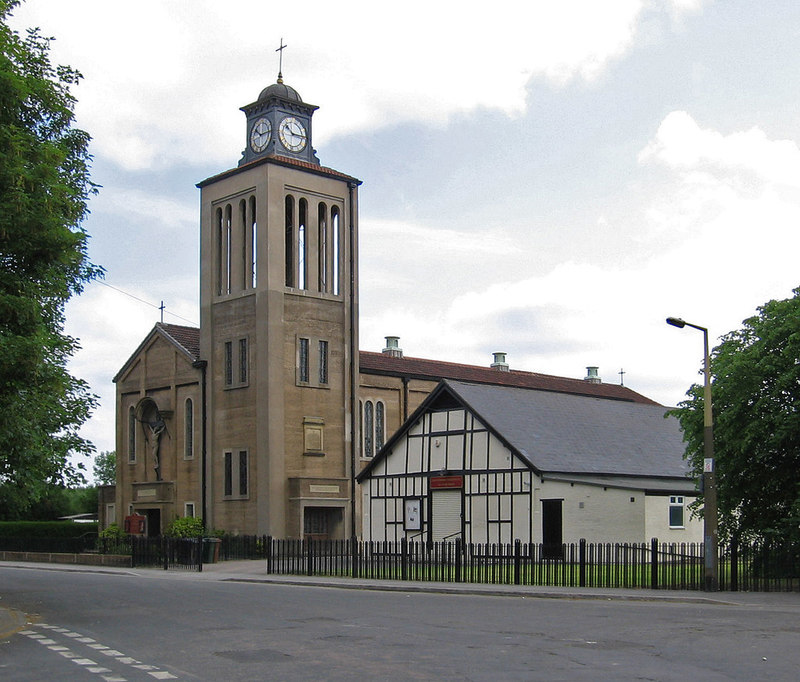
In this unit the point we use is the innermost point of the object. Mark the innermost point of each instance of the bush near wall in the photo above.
(46, 529)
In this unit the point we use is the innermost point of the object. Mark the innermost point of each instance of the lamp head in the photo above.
(676, 322)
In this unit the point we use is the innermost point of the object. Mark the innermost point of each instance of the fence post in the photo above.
(165, 548)
(734, 563)
(309, 557)
(268, 549)
(354, 563)
(582, 563)
(403, 558)
(199, 547)
(654, 564)
(458, 551)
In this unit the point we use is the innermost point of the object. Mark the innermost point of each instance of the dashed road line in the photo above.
(87, 663)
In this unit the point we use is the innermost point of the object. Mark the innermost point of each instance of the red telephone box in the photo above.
(134, 524)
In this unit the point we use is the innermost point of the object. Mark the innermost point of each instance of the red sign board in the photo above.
(443, 482)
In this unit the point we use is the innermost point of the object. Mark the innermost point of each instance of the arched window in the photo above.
(335, 258)
(245, 244)
(253, 243)
(289, 240)
(227, 247)
(322, 243)
(218, 223)
(302, 261)
(369, 425)
(131, 434)
(380, 430)
(188, 429)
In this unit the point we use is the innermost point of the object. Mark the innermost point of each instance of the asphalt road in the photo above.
(148, 625)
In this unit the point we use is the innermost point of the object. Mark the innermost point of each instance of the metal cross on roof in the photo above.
(280, 61)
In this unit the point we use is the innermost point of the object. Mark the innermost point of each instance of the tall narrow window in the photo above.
(246, 244)
(322, 243)
(335, 258)
(253, 243)
(228, 491)
(379, 425)
(302, 269)
(369, 425)
(302, 373)
(243, 472)
(228, 363)
(676, 511)
(242, 361)
(131, 434)
(188, 429)
(228, 240)
(289, 241)
(323, 362)
(219, 259)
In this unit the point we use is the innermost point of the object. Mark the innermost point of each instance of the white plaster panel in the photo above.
(480, 450)
(455, 451)
(437, 456)
(499, 454)
(415, 462)
(438, 421)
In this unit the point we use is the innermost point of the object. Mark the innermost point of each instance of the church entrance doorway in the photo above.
(153, 517)
(321, 523)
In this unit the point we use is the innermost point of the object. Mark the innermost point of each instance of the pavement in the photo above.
(254, 571)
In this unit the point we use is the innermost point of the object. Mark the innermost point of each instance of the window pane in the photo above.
(676, 515)
(303, 369)
(228, 474)
(188, 438)
(243, 472)
(379, 428)
(369, 425)
(323, 362)
(228, 363)
(243, 361)
(131, 435)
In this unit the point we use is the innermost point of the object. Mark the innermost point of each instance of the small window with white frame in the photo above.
(676, 511)
(188, 509)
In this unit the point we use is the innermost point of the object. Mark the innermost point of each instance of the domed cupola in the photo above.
(279, 124)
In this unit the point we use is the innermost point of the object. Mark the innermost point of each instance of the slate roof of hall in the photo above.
(560, 433)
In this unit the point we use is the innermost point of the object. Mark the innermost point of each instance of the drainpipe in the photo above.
(202, 365)
(353, 357)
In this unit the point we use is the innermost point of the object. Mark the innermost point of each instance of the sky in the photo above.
(547, 179)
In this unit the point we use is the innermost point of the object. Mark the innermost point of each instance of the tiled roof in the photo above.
(561, 434)
(283, 161)
(434, 370)
(187, 338)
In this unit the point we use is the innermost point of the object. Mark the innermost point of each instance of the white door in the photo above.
(446, 515)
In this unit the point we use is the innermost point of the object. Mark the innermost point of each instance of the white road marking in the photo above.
(88, 664)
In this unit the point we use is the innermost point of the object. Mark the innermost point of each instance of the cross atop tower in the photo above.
(280, 61)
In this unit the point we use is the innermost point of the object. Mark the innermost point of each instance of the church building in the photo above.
(260, 420)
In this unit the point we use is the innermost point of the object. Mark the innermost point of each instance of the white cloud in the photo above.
(682, 144)
(162, 75)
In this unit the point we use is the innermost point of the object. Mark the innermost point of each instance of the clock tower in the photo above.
(279, 123)
(279, 331)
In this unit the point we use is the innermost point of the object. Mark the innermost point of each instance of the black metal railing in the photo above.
(652, 565)
(170, 553)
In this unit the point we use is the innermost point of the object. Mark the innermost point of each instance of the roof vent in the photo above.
(393, 347)
(592, 376)
(499, 363)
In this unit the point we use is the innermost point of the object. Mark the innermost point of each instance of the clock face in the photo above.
(293, 134)
(260, 134)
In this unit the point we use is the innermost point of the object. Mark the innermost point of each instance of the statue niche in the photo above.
(153, 425)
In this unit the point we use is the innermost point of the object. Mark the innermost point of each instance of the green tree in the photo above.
(105, 468)
(44, 188)
(756, 403)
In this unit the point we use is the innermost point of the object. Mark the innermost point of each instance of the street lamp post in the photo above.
(710, 533)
